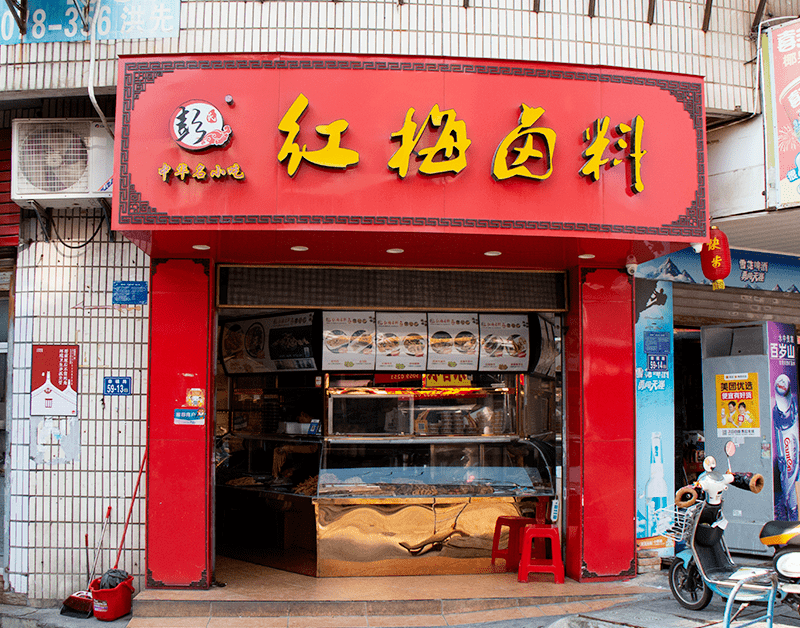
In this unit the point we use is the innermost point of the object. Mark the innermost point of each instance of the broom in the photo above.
(79, 604)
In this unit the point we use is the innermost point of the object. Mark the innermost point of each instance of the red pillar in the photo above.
(178, 547)
(600, 478)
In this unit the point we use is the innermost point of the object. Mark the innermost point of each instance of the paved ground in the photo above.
(656, 609)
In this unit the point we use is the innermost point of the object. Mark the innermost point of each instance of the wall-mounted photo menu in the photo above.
(348, 341)
(402, 341)
(454, 339)
(273, 343)
(505, 342)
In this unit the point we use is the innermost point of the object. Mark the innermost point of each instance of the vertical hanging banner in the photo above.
(782, 340)
(402, 341)
(54, 380)
(737, 405)
(781, 96)
(655, 414)
(348, 341)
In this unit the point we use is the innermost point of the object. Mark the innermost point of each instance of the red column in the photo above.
(178, 545)
(600, 478)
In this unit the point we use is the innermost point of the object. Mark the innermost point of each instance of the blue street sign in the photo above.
(129, 292)
(60, 20)
(116, 386)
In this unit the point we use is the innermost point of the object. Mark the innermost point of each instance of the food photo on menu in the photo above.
(402, 341)
(504, 342)
(348, 340)
(454, 341)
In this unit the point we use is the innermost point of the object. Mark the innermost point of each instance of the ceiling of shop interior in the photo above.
(770, 231)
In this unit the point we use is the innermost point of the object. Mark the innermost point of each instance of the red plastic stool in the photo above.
(511, 552)
(528, 565)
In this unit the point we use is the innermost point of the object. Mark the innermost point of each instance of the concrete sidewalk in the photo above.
(661, 610)
(653, 609)
(665, 612)
(29, 617)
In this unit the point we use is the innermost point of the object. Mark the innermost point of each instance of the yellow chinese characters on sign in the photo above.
(525, 131)
(451, 145)
(596, 136)
(737, 405)
(332, 155)
(447, 380)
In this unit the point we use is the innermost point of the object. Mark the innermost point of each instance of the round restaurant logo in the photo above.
(197, 125)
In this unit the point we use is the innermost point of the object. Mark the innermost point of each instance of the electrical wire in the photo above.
(79, 246)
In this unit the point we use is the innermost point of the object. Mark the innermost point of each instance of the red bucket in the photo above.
(110, 604)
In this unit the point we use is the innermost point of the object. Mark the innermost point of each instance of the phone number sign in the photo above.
(60, 20)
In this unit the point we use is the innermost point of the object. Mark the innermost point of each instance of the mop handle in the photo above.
(88, 573)
(130, 509)
(100, 544)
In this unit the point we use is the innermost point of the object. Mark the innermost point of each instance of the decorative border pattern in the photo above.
(201, 583)
(133, 210)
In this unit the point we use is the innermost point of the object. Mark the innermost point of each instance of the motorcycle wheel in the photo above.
(687, 585)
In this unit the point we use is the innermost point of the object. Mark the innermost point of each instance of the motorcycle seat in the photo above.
(780, 533)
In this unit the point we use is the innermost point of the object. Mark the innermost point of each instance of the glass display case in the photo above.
(430, 440)
(456, 466)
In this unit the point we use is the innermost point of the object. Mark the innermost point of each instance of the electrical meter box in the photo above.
(750, 398)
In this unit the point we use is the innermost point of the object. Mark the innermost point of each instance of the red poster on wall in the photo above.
(54, 380)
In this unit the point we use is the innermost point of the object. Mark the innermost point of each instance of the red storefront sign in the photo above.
(440, 145)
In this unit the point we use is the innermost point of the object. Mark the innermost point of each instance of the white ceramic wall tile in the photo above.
(51, 504)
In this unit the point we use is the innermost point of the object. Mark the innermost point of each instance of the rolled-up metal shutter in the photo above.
(696, 305)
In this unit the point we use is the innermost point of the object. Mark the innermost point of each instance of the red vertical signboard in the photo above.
(54, 380)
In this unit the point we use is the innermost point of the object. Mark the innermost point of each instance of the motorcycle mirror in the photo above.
(730, 449)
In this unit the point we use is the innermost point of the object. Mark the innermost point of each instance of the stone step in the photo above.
(339, 608)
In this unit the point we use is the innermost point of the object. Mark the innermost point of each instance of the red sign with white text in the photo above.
(344, 142)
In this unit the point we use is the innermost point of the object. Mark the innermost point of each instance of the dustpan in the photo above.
(80, 603)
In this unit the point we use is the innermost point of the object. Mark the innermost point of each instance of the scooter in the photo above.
(706, 566)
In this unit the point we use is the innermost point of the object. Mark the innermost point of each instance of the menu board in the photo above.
(402, 341)
(505, 342)
(289, 341)
(275, 343)
(348, 341)
(454, 342)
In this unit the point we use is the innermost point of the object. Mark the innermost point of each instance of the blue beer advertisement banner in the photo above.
(655, 420)
(749, 269)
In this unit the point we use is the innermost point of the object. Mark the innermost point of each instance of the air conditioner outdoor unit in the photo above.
(61, 162)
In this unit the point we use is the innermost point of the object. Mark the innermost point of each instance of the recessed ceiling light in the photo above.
(395, 251)
(299, 249)
(492, 253)
(201, 247)
(586, 256)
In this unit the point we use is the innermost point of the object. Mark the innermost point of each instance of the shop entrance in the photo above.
(329, 462)
(689, 440)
